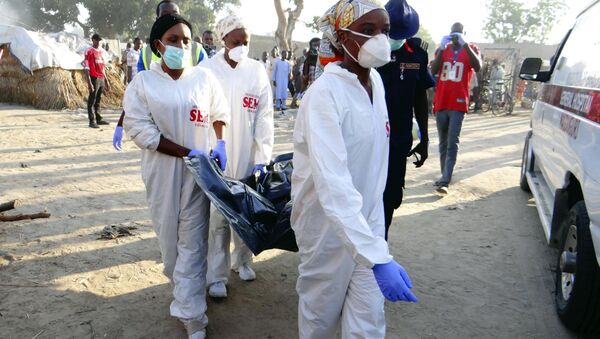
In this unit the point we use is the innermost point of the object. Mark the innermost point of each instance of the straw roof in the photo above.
(51, 87)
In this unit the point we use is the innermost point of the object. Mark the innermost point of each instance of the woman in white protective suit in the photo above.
(249, 139)
(170, 112)
(340, 169)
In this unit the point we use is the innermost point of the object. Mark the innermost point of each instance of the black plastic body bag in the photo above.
(259, 212)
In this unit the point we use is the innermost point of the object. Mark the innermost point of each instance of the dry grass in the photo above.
(52, 88)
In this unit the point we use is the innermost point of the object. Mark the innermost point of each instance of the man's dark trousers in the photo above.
(94, 99)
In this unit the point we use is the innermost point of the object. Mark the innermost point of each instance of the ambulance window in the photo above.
(578, 64)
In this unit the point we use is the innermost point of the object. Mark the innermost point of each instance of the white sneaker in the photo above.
(198, 335)
(246, 273)
(218, 290)
(194, 328)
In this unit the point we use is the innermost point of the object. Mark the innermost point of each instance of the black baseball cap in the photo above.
(96, 36)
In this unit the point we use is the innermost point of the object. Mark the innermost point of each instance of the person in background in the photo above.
(97, 81)
(264, 60)
(454, 64)
(147, 57)
(167, 126)
(291, 82)
(273, 60)
(281, 78)
(126, 71)
(208, 42)
(249, 140)
(132, 58)
(297, 77)
(406, 80)
(310, 64)
(341, 140)
(497, 74)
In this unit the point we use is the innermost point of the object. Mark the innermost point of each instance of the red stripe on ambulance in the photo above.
(579, 101)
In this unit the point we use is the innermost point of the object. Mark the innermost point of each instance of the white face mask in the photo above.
(238, 53)
(373, 53)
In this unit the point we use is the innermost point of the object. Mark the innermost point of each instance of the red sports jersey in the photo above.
(94, 61)
(454, 79)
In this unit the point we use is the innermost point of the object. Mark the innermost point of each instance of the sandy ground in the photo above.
(477, 257)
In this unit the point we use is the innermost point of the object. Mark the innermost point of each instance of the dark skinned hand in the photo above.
(420, 150)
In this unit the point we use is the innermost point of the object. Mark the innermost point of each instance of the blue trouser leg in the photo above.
(449, 129)
(442, 120)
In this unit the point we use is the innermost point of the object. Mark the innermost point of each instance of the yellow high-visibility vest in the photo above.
(149, 56)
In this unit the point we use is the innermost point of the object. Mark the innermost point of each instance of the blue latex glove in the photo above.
(194, 153)
(260, 168)
(118, 138)
(445, 41)
(394, 282)
(220, 154)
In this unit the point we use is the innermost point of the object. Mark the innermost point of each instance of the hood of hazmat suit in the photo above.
(249, 137)
(261, 223)
(182, 111)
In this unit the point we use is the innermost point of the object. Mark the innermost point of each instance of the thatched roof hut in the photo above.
(50, 87)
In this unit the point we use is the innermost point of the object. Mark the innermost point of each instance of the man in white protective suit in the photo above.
(172, 109)
(341, 141)
(249, 140)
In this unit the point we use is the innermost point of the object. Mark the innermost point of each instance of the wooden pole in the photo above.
(9, 205)
(24, 216)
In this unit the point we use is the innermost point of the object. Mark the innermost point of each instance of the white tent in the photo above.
(39, 50)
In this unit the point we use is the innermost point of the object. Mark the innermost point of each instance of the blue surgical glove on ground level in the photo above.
(220, 154)
(394, 282)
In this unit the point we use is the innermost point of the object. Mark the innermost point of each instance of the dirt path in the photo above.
(477, 257)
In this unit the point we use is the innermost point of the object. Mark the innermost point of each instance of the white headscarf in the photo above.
(228, 24)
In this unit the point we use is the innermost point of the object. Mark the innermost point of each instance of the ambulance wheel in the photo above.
(526, 163)
(578, 275)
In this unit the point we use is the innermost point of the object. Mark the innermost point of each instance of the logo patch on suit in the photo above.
(199, 118)
(250, 103)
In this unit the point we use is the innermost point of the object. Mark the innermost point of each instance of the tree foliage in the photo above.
(511, 21)
(110, 18)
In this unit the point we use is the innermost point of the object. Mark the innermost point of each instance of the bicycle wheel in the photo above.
(484, 100)
(496, 106)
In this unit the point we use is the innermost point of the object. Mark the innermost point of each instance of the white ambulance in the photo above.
(561, 167)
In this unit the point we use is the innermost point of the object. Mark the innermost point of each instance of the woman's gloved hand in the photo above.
(220, 154)
(195, 152)
(394, 282)
(260, 168)
(118, 138)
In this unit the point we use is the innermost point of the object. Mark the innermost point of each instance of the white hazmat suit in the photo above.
(182, 111)
(340, 168)
(249, 141)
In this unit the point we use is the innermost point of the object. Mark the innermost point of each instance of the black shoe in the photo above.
(94, 125)
(103, 122)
